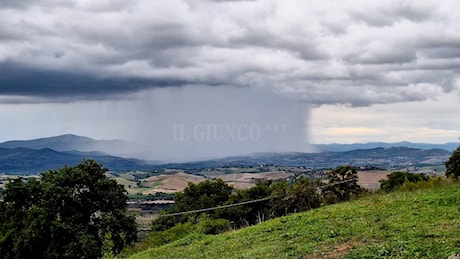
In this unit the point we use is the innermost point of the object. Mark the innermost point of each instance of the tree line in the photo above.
(282, 198)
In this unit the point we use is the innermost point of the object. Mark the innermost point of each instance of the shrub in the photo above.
(430, 183)
(209, 226)
(396, 179)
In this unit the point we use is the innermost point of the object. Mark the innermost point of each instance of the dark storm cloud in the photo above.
(58, 86)
(351, 52)
(443, 52)
(26, 4)
(383, 56)
(5, 4)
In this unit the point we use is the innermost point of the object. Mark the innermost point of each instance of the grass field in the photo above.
(420, 224)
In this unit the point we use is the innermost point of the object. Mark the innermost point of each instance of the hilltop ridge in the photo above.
(66, 142)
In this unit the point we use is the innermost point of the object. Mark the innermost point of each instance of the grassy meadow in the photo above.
(422, 223)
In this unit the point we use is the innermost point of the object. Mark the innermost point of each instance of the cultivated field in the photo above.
(175, 182)
(169, 183)
(370, 179)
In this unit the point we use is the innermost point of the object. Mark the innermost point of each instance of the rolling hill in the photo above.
(26, 160)
(420, 224)
(66, 142)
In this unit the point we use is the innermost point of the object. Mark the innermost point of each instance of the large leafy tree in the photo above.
(342, 184)
(203, 195)
(300, 196)
(249, 214)
(74, 212)
(453, 164)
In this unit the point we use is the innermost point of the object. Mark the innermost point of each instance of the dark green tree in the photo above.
(205, 194)
(249, 214)
(299, 196)
(74, 212)
(396, 179)
(342, 184)
(304, 194)
(202, 195)
(453, 164)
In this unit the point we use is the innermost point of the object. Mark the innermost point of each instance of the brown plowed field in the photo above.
(170, 183)
(177, 182)
(370, 179)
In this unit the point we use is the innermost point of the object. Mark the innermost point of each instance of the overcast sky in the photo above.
(172, 72)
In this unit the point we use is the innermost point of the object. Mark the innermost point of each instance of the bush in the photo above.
(179, 231)
(206, 194)
(396, 179)
(248, 214)
(430, 183)
(209, 226)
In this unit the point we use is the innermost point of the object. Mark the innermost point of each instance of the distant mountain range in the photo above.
(38, 155)
(350, 147)
(386, 158)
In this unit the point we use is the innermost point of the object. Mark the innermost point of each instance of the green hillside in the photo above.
(420, 224)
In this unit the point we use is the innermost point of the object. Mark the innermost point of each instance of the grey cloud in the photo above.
(442, 52)
(106, 6)
(383, 56)
(26, 4)
(322, 53)
(142, 38)
(358, 93)
(5, 4)
(392, 12)
(224, 1)
(8, 35)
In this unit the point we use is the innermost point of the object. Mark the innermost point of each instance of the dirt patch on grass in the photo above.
(338, 251)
